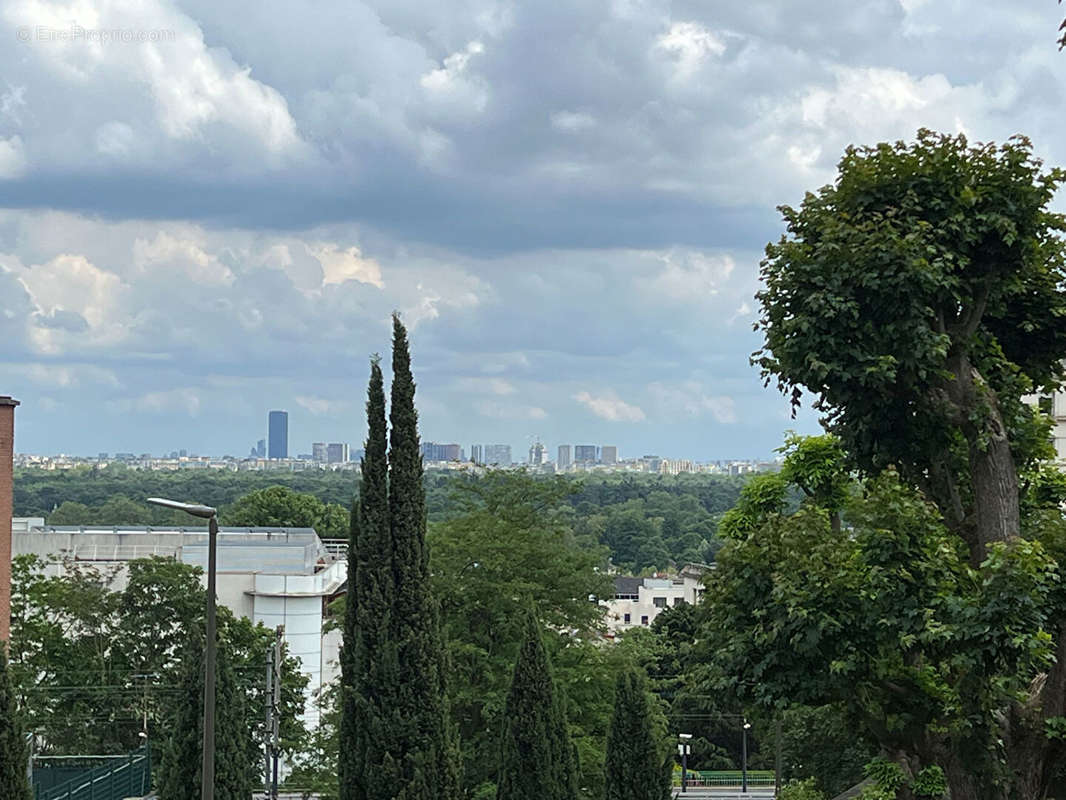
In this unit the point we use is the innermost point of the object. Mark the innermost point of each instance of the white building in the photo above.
(1056, 406)
(276, 576)
(638, 601)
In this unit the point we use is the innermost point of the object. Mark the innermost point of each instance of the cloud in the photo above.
(610, 407)
(497, 410)
(320, 406)
(340, 265)
(495, 386)
(689, 399)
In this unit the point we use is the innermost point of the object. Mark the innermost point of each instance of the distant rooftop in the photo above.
(267, 549)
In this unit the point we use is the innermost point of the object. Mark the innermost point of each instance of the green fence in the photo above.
(732, 777)
(93, 777)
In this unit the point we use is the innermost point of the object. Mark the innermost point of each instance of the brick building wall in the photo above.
(7, 449)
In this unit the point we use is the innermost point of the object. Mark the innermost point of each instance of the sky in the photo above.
(207, 213)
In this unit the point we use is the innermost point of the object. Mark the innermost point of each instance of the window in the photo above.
(678, 601)
(644, 619)
(626, 619)
(660, 602)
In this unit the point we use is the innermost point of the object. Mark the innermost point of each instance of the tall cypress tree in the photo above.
(428, 754)
(13, 751)
(395, 738)
(634, 763)
(369, 667)
(536, 754)
(236, 753)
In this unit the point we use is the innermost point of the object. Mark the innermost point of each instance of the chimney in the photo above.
(7, 457)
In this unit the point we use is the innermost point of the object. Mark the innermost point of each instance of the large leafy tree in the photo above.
(536, 753)
(885, 619)
(14, 754)
(919, 298)
(281, 506)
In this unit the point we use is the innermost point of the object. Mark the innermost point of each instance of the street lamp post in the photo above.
(207, 787)
(684, 748)
(744, 758)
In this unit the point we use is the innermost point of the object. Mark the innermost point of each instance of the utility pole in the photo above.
(268, 730)
(275, 747)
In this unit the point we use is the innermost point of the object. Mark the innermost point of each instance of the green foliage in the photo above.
(114, 495)
(396, 737)
(761, 496)
(510, 544)
(929, 782)
(91, 663)
(885, 774)
(14, 753)
(634, 759)
(279, 506)
(885, 618)
(918, 298)
(536, 754)
(823, 744)
(801, 790)
(236, 751)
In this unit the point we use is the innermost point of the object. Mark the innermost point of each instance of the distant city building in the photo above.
(260, 448)
(585, 454)
(432, 451)
(337, 453)
(318, 452)
(498, 454)
(563, 459)
(675, 466)
(537, 454)
(609, 454)
(651, 463)
(477, 454)
(103, 456)
(278, 434)
(184, 453)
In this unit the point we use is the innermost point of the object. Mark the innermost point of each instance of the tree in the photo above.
(369, 668)
(275, 506)
(507, 544)
(428, 749)
(885, 619)
(396, 736)
(919, 298)
(236, 753)
(14, 754)
(634, 769)
(536, 754)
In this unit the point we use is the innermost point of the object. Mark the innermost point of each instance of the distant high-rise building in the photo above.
(585, 454)
(431, 451)
(260, 448)
(499, 454)
(183, 453)
(278, 434)
(537, 454)
(318, 452)
(563, 460)
(103, 456)
(337, 453)
(609, 454)
(477, 454)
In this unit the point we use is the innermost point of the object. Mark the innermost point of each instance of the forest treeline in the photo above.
(646, 521)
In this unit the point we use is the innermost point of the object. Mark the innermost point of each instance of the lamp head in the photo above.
(205, 512)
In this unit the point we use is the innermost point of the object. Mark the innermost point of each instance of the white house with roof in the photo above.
(638, 601)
